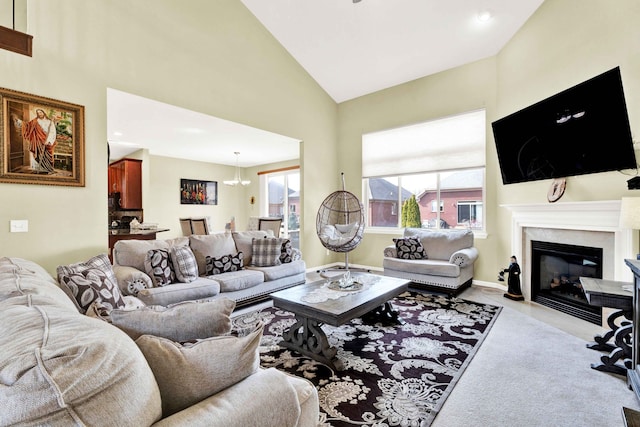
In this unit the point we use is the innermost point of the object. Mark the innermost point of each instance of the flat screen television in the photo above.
(581, 130)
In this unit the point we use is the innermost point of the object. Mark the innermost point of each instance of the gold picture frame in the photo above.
(41, 140)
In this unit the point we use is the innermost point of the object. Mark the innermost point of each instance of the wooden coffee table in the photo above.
(306, 335)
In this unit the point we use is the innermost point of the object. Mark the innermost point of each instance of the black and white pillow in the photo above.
(159, 267)
(410, 248)
(286, 252)
(224, 264)
(266, 252)
(90, 285)
(184, 264)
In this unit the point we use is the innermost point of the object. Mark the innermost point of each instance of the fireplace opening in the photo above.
(556, 269)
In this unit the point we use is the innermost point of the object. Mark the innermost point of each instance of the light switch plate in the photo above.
(19, 225)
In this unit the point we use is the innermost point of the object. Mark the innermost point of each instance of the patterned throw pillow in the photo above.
(286, 254)
(159, 267)
(266, 252)
(410, 248)
(224, 264)
(88, 281)
(92, 284)
(184, 264)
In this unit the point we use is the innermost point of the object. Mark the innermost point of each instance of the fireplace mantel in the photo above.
(603, 216)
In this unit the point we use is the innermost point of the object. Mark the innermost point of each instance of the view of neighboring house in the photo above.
(460, 201)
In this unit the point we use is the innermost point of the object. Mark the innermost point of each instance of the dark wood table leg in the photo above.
(622, 352)
(602, 341)
(385, 314)
(307, 337)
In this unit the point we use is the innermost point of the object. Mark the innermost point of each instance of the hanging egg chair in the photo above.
(340, 222)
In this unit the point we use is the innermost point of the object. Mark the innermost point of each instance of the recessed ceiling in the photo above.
(353, 49)
(350, 48)
(135, 122)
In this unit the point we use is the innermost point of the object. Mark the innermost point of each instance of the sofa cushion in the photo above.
(184, 321)
(184, 264)
(282, 270)
(84, 282)
(441, 244)
(133, 252)
(243, 240)
(238, 280)
(266, 252)
(61, 368)
(224, 264)
(159, 267)
(188, 373)
(215, 245)
(419, 266)
(410, 248)
(200, 288)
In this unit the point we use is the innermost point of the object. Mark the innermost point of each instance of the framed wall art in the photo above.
(196, 192)
(41, 140)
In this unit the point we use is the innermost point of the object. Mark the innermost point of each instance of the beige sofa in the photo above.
(448, 267)
(61, 368)
(246, 286)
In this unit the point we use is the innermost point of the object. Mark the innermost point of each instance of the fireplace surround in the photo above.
(592, 224)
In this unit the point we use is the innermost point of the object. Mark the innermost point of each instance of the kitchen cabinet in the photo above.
(125, 177)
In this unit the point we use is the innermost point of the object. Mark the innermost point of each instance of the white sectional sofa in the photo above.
(250, 284)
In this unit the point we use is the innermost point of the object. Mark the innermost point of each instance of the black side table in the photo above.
(613, 294)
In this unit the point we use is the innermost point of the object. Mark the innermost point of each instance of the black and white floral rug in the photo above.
(397, 375)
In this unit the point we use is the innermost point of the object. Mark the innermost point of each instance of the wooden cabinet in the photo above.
(125, 177)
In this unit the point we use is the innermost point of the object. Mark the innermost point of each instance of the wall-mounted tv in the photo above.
(581, 130)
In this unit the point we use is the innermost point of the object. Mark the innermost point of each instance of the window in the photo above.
(440, 163)
(283, 201)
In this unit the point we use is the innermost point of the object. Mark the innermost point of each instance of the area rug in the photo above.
(394, 375)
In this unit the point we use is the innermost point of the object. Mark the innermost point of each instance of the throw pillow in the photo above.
(183, 321)
(266, 252)
(89, 285)
(410, 248)
(286, 252)
(184, 264)
(159, 267)
(186, 374)
(224, 264)
(86, 281)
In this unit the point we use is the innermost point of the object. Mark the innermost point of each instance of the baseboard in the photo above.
(488, 285)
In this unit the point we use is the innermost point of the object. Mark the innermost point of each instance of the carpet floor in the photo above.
(394, 375)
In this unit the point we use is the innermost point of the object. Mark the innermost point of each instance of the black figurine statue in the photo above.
(513, 283)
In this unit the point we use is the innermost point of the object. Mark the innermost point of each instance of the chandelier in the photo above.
(237, 179)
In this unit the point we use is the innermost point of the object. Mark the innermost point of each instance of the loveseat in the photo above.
(280, 267)
(440, 260)
(59, 367)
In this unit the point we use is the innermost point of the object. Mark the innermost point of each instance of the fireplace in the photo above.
(556, 269)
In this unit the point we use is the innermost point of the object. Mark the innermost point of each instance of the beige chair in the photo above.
(185, 224)
(199, 226)
(273, 224)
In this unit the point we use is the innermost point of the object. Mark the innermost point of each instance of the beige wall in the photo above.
(217, 59)
(564, 43)
(210, 57)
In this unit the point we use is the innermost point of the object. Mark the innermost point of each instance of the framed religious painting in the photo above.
(41, 140)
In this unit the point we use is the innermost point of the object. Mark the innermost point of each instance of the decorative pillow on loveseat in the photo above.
(224, 264)
(267, 251)
(410, 248)
(188, 373)
(183, 321)
(88, 281)
(286, 252)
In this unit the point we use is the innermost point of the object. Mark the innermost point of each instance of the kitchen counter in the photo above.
(131, 234)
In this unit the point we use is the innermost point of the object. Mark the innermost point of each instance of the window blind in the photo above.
(453, 142)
